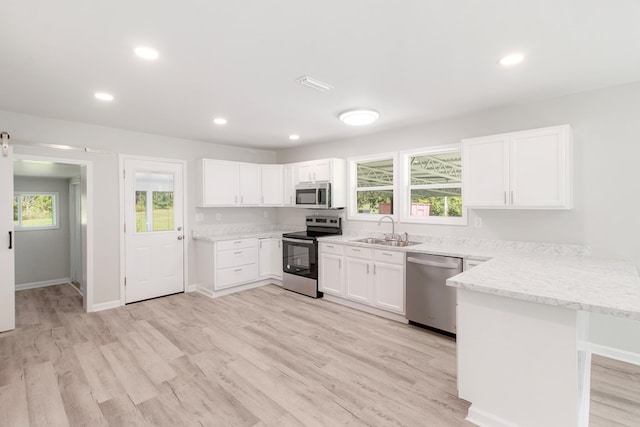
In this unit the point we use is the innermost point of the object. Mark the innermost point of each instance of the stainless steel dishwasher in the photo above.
(430, 302)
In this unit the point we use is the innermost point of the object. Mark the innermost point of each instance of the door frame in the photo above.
(87, 299)
(185, 226)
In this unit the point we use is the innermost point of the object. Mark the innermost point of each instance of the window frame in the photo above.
(352, 198)
(55, 210)
(405, 207)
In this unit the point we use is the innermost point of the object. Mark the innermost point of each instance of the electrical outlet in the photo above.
(199, 217)
(477, 222)
(218, 217)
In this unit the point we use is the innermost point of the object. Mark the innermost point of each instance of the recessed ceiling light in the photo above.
(103, 96)
(513, 59)
(294, 137)
(146, 52)
(220, 121)
(359, 117)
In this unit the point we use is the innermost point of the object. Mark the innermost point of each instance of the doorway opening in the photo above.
(51, 218)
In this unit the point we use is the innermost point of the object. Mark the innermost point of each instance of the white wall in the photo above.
(106, 257)
(43, 255)
(606, 126)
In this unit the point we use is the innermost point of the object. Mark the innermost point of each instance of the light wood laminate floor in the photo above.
(264, 357)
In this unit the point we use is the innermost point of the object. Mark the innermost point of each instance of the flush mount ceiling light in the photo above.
(146, 52)
(220, 121)
(359, 117)
(512, 59)
(314, 84)
(103, 96)
(294, 137)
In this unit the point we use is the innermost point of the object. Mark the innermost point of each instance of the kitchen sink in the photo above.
(396, 243)
(371, 240)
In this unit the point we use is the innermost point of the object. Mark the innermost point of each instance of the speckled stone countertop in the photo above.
(241, 231)
(582, 283)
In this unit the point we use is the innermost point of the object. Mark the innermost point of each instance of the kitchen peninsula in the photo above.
(527, 328)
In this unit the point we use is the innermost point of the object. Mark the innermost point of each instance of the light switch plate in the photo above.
(477, 222)
(199, 217)
(218, 217)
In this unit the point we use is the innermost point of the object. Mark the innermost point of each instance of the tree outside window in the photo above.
(35, 211)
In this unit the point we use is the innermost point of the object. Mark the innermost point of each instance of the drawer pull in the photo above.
(237, 241)
(387, 254)
(329, 246)
(355, 250)
(237, 269)
(237, 253)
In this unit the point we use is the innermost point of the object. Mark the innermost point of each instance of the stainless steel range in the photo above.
(300, 254)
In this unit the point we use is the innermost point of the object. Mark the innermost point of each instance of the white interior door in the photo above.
(154, 236)
(7, 267)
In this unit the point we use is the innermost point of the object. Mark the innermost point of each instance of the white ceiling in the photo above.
(412, 60)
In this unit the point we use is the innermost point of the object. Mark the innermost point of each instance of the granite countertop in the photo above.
(582, 283)
(237, 235)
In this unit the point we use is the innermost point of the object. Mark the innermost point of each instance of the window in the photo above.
(35, 211)
(434, 186)
(154, 202)
(372, 184)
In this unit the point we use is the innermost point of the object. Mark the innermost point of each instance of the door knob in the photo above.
(180, 237)
(179, 228)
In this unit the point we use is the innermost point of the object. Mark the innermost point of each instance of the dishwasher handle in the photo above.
(433, 263)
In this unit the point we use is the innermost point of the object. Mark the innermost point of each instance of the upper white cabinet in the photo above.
(521, 170)
(227, 183)
(249, 184)
(217, 183)
(290, 182)
(272, 185)
(321, 170)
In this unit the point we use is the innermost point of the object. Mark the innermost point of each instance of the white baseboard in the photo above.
(215, 294)
(371, 310)
(44, 283)
(485, 419)
(105, 305)
(192, 288)
(75, 288)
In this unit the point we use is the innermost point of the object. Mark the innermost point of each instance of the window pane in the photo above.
(378, 173)
(141, 211)
(37, 210)
(162, 210)
(15, 211)
(436, 202)
(441, 168)
(375, 202)
(154, 201)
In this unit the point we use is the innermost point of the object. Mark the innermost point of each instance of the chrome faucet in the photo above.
(393, 226)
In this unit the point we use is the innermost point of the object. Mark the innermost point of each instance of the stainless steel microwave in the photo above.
(313, 195)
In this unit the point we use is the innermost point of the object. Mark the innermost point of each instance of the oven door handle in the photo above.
(306, 242)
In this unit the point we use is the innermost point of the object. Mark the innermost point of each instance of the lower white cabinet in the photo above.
(270, 258)
(373, 277)
(225, 264)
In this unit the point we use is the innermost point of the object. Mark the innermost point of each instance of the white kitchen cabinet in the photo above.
(217, 183)
(358, 278)
(249, 184)
(272, 185)
(270, 258)
(388, 280)
(521, 170)
(320, 170)
(225, 264)
(330, 269)
(289, 187)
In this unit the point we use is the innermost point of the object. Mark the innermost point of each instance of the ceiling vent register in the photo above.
(314, 84)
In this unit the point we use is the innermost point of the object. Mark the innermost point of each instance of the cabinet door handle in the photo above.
(11, 240)
(374, 269)
(511, 198)
(505, 197)
(241, 199)
(367, 268)
(262, 199)
(339, 264)
(235, 199)
(279, 243)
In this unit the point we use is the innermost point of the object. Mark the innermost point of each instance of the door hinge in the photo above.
(125, 228)
(5, 143)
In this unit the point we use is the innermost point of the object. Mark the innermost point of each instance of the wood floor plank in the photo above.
(101, 378)
(43, 396)
(120, 411)
(151, 363)
(13, 404)
(130, 375)
(160, 344)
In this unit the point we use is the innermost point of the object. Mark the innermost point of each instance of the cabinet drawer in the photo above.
(226, 245)
(235, 258)
(331, 248)
(236, 276)
(358, 252)
(392, 257)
